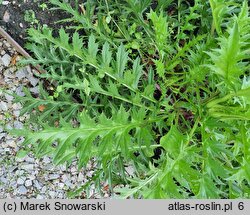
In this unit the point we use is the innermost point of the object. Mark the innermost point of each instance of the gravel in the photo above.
(22, 190)
(6, 60)
(28, 176)
(3, 106)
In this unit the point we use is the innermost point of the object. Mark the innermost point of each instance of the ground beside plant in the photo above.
(21, 174)
(16, 16)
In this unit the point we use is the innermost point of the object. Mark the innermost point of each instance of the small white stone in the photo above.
(6, 60)
(21, 73)
(9, 97)
(39, 196)
(20, 181)
(63, 167)
(73, 170)
(11, 143)
(22, 190)
(19, 172)
(43, 190)
(46, 160)
(37, 184)
(27, 167)
(32, 177)
(68, 183)
(61, 185)
(16, 106)
(8, 126)
(60, 196)
(16, 113)
(3, 180)
(6, 16)
(2, 135)
(52, 194)
(19, 91)
(64, 178)
(54, 176)
(28, 183)
(29, 159)
(80, 177)
(33, 81)
(7, 44)
(34, 90)
(18, 125)
(5, 2)
(3, 106)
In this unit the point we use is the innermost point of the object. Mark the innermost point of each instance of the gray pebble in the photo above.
(17, 106)
(18, 125)
(34, 90)
(73, 170)
(61, 185)
(63, 167)
(49, 167)
(22, 190)
(28, 183)
(52, 194)
(11, 143)
(3, 106)
(3, 180)
(37, 185)
(19, 91)
(60, 196)
(27, 167)
(54, 176)
(6, 60)
(2, 52)
(16, 113)
(13, 184)
(43, 190)
(20, 181)
(80, 177)
(31, 177)
(6, 16)
(29, 159)
(9, 126)
(2, 135)
(46, 160)
(5, 2)
(21, 73)
(33, 81)
(68, 183)
(40, 197)
(19, 172)
(8, 97)
(64, 178)
(8, 73)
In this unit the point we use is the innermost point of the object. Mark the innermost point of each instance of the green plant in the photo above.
(30, 17)
(43, 6)
(174, 107)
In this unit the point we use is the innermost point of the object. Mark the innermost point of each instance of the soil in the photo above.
(13, 21)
